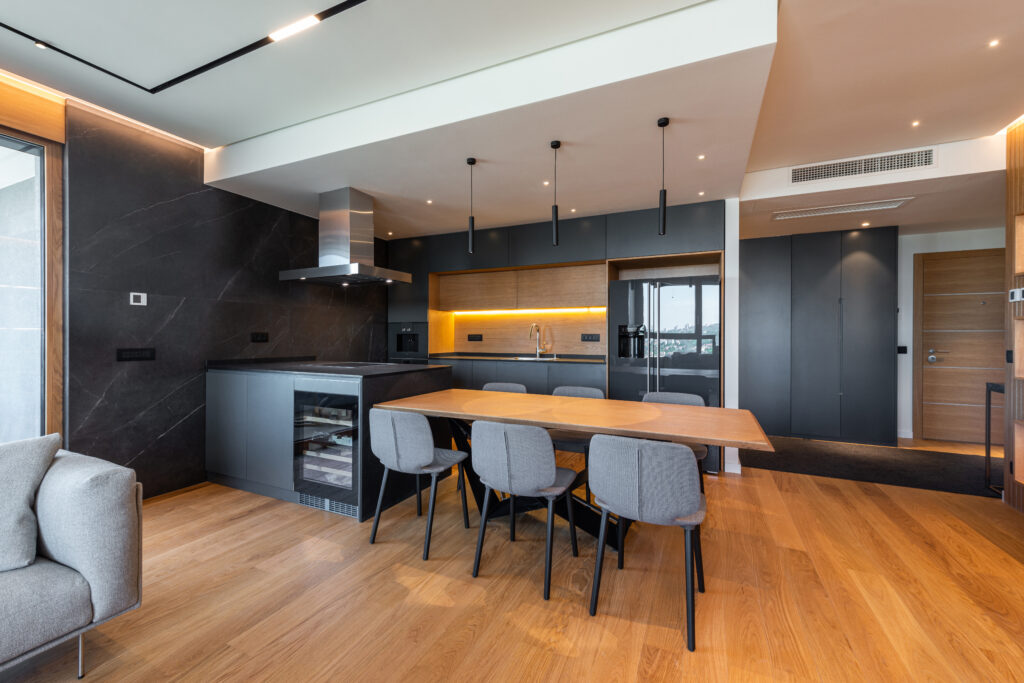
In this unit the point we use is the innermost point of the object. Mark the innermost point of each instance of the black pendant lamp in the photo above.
(471, 161)
(662, 123)
(555, 144)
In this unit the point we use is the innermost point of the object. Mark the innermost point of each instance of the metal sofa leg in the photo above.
(81, 655)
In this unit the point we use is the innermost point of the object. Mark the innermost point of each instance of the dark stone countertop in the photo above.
(334, 368)
(520, 358)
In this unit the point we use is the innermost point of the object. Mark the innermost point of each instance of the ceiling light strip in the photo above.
(251, 47)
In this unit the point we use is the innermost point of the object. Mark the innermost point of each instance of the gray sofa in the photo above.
(88, 566)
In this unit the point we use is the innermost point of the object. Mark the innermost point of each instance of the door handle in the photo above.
(933, 359)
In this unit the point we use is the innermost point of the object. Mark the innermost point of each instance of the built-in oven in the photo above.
(407, 341)
(326, 444)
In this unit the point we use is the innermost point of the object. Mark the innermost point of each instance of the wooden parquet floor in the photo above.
(807, 579)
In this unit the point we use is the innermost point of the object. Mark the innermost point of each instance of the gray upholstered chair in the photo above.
(403, 442)
(520, 460)
(653, 482)
(574, 442)
(507, 387)
(700, 451)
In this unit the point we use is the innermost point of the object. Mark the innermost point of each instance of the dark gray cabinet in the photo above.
(818, 334)
(225, 423)
(538, 378)
(462, 371)
(764, 344)
(407, 302)
(576, 375)
(449, 251)
(689, 228)
(270, 411)
(579, 239)
(868, 310)
(816, 370)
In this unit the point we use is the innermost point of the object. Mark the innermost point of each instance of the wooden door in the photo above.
(958, 344)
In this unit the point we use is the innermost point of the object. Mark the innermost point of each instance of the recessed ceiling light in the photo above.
(701, 193)
(390, 234)
(993, 42)
(302, 278)
(700, 157)
(41, 45)
(546, 183)
(388, 282)
(292, 29)
(865, 224)
(430, 201)
(344, 284)
(572, 210)
(915, 124)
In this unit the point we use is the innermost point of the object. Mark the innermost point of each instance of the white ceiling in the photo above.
(374, 50)
(849, 77)
(610, 159)
(949, 203)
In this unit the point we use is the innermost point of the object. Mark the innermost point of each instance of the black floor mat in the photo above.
(898, 466)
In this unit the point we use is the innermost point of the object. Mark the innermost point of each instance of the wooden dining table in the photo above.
(728, 427)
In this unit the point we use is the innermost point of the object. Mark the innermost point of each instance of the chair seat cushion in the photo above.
(697, 517)
(39, 603)
(443, 460)
(564, 478)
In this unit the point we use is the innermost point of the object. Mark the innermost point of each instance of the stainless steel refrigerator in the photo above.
(665, 335)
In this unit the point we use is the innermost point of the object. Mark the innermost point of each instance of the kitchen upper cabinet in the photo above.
(449, 251)
(579, 239)
(477, 291)
(690, 228)
(565, 287)
(407, 302)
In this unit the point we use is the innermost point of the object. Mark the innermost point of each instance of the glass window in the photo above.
(21, 290)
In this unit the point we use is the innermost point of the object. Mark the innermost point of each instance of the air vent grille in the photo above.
(329, 505)
(841, 208)
(879, 164)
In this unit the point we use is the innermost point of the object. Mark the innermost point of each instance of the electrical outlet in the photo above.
(137, 298)
(259, 337)
(475, 337)
(590, 337)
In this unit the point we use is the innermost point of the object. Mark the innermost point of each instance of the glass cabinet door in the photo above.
(326, 445)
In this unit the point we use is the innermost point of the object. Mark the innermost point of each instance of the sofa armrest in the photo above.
(90, 519)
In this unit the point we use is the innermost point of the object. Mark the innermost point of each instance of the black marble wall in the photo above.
(140, 219)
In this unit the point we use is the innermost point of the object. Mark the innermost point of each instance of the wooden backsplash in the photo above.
(510, 332)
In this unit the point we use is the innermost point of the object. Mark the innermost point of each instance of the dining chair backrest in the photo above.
(675, 397)
(508, 387)
(517, 459)
(401, 441)
(647, 481)
(578, 392)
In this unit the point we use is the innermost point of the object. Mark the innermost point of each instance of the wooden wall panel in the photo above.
(963, 312)
(962, 272)
(960, 423)
(510, 333)
(564, 287)
(477, 291)
(1014, 475)
(31, 110)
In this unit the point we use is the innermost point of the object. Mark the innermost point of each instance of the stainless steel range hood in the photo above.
(346, 244)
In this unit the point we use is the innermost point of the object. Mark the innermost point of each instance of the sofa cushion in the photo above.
(39, 603)
(22, 466)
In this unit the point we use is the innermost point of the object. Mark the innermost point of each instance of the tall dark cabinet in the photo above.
(818, 334)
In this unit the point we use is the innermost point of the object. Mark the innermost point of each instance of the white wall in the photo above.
(985, 238)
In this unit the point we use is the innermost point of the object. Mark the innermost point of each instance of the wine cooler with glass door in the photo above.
(326, 457)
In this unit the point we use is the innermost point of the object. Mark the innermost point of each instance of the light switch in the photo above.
(137, 298)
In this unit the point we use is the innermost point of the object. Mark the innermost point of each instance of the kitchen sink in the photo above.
(534, 358)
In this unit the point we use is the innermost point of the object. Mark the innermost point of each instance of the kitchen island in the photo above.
(297, 430)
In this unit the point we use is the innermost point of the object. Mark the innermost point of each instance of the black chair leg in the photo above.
(586, 467)
(572, 525)
(621, 528)
(511, 517)
(547, 549)
(380, 504)
(597, 563)
(462, 490)
(430, 515)
(698, 560)
(700, 472)
(690, 644)
(419, 503)
(480, 536)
